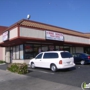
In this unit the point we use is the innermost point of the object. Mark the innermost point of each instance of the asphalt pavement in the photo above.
(36, 80)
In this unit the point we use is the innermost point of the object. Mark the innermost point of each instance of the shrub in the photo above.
(2, 61)
(18, 68)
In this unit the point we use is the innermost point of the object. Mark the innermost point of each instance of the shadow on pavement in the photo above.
(3, 66)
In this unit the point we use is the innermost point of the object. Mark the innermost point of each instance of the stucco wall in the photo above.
(33, 33)
(89, 41)
(7, 55)
(1, 53)
(13, 33)
(76, 39)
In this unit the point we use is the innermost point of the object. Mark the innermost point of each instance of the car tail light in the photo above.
(88, 57)
(60, 62)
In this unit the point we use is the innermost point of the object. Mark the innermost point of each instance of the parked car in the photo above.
(81, 58)
(53, 60)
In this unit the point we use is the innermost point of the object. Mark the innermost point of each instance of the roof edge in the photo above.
(20, 21)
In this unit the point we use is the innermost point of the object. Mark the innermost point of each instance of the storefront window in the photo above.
(37, 49)
(13, 52)
(44, 48)
(87, 50)
(61, 48)
(66, 48)
(17, 52)
(21, 52)
(57, 48)
(28, 51)
(51, 48)
(73, 49)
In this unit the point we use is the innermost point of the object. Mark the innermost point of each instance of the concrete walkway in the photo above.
(12, 81)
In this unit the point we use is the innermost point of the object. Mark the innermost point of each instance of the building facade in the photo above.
(2, 49)
(25, 39)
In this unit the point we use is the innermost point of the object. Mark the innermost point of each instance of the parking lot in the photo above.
(63, 79)
(72, 77)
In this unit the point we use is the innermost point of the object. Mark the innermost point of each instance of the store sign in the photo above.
(54, 36)
(5, 36)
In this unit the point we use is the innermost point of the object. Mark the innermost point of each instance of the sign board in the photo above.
(54, 36)
(5, 36)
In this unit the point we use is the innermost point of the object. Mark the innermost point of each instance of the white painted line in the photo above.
(46, 72)
(41, 71)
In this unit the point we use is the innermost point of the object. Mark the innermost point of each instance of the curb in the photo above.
(2, 63)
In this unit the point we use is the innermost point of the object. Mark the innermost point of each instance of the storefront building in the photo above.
(25, 39)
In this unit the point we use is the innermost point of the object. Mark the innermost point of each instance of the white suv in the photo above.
(53, 60)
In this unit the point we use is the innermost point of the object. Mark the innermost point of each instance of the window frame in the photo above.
(39, 55)
(51, 56)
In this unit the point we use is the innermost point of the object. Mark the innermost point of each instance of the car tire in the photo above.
(53, 68)
(82, 62)
(32, 65)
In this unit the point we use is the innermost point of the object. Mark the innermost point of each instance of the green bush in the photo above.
(2, 61)
(18, 68)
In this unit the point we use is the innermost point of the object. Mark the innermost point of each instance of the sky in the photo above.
(70, 14)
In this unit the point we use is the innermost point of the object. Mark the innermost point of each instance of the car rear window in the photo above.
(50, 55)
(65, 55)
(84, 55)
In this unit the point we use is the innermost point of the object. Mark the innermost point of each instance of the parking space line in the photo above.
(41, 71)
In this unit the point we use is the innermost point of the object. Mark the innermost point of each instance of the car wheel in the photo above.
(82, 62)
(53, 68)
(32, 65)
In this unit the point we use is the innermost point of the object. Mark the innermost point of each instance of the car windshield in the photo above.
(65, 55)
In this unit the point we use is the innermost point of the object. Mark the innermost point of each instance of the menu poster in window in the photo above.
(28, 48)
